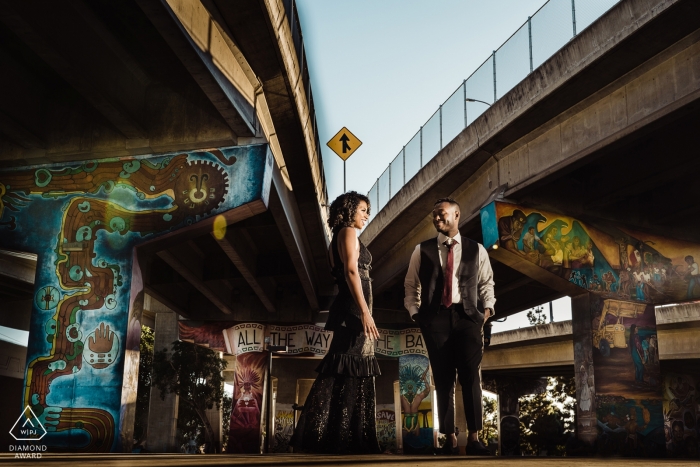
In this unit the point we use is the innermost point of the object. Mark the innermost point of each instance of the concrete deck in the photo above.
(386, 460)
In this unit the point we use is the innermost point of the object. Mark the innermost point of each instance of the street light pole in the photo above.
(469, 99)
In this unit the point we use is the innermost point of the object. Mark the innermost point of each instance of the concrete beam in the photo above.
(75, 58)
(13, 360)
(19, 134)
(202, 46)
(679, 341)
(17, 314)
(285, 211)
(187, 271)
(552, 344)
(542, 333)
(535, 272)
(562, 114)
(243, 254)
(528, 356)
(677, 314)
(262, 31)
(18, 268)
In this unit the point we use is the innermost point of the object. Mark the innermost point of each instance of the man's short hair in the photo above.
(451, 201)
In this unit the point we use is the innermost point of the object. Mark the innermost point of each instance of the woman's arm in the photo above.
(349, 251)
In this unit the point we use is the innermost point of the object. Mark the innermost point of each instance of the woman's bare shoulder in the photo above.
(348, 236)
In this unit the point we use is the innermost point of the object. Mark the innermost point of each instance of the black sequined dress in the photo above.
(339, 414)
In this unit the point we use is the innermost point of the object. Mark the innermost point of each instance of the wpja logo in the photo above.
(28, 427)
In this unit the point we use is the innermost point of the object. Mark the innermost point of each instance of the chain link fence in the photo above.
(547, 31)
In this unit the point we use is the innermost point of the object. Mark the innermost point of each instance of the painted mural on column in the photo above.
(626, 272)
(610, 260)
(416, 404)
(246, 339)
(284, 427)
(244, 429)
(84, 220)
(629, 408)
(386, 426)
(682, 415)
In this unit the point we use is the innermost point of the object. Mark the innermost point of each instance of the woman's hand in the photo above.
(369, 326)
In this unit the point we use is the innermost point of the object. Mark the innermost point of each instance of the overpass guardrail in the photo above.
(538, 39)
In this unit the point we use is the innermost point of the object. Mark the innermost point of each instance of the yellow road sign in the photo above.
(344, 143)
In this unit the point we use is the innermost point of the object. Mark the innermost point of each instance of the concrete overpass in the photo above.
(582, 134)
(548, 349)
(107, 108)
(599, 141)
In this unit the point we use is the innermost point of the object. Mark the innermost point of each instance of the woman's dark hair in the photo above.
(344, 208)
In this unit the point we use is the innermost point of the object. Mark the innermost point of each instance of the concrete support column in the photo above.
(214, 415)
(509, 391)
(618, 377)
(586, 424)
(162, 414)
(508, 423)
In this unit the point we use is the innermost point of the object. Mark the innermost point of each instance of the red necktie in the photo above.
(449, 268)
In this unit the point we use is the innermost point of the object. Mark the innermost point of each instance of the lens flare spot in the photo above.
(219, 229)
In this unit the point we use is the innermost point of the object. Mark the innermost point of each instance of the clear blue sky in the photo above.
(383, 67)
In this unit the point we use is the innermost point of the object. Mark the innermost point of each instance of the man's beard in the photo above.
(445, 230)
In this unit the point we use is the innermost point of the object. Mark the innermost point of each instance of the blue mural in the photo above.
(416, 404)
(84, 220)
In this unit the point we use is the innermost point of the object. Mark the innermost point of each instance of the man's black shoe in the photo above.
(475, 448)
(447, 449)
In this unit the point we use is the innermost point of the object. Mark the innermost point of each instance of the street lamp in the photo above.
(268, 424)
(469, 99)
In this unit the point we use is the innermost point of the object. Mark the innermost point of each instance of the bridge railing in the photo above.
(540, 37)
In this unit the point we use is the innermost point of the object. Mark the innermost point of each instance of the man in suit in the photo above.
(446, 279)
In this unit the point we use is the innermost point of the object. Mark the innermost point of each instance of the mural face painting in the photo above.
(613, 261)
(83, 221)
(244, 434)
(416, 404)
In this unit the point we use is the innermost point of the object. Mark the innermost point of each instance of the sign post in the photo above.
(344, 144)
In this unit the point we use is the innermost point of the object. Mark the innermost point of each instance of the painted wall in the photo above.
(618, 377)
(84, 221)
(244, 430)
(611, 260)
(416, 404)
(386, 426)
(629, 409)
(682, 415)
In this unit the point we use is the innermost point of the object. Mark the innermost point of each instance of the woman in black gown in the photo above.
(339, 413)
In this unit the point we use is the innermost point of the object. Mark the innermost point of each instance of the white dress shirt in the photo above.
(412, 284)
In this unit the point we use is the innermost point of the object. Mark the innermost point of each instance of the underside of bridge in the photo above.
(155, 156)
(623, 154)
(592, 158)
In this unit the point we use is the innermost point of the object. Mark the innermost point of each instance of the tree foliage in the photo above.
(143, 393)
(194, 373)
(547, 418)
(536, 316)
(490, 429)
(226, 408)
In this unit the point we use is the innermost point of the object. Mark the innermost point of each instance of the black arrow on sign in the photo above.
(344, 139)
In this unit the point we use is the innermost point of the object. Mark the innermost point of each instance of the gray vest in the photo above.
(432, 279)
